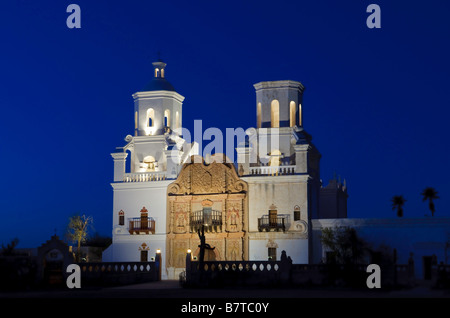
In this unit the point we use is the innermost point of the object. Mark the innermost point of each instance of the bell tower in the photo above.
(155, 150)
(279, 104)
(279, 120)
(157, 108)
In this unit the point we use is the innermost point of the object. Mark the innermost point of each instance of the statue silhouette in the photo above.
(203, 245)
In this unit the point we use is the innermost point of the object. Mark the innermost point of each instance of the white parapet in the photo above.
(272, 170)
(145, 176)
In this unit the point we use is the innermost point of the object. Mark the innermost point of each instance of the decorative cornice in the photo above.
(119, 155)
(158, 94)
(279, 84)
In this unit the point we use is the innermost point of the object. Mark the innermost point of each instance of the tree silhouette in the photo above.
(77, 230)
(344, 244)
(430, 194)
(8, 250)
(397, 204)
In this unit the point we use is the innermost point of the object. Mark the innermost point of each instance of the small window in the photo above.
(258, 116)
(166, 118)
(272, 253)
(275, 114)
(207, 216)
(121, 218)
(144, 219)
(144, 256)
(300, 115)
(150, 116)
(292, 114)
(272, 217)
(296, 213)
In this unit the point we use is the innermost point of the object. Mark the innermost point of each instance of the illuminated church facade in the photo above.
(250, 210)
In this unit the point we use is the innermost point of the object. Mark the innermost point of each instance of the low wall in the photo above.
(118, 273)
(284, 273)
(238, 273)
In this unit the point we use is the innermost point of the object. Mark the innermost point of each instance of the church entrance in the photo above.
(207, 197)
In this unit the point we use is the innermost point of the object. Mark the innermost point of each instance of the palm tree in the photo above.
(397, 204)
(430, 194)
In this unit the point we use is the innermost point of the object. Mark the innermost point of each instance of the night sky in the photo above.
(376, 100)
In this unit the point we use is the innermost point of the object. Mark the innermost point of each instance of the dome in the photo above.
(159, 84)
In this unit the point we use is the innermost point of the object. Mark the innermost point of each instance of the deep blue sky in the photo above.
(376, 100)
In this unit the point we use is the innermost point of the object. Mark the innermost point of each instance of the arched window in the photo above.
(292, 116)
(258, 115)
(300, 114)
(275, 114)
(156, 72)
(150, 117)
(167, 118)
(144, 252)
(150, 162)
(162, 72)
(121, 217)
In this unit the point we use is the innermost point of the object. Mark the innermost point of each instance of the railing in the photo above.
(247, 266)
(272, 170)
(269, 223)
(211, 219)
(145, 176)
(283, 272)
(237, 273)
(118, 273)
(139, 226)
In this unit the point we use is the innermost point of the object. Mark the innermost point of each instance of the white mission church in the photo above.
(253, 211)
